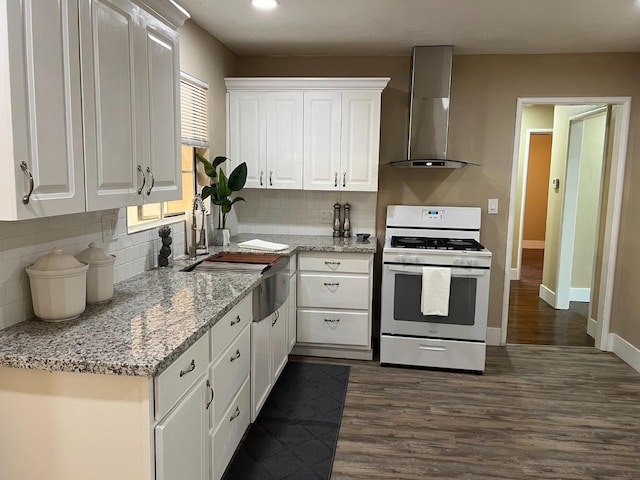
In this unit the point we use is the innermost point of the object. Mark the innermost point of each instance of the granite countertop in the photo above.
(151, 319)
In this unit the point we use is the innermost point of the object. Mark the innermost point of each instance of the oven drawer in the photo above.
(333, 291)
(333, 327)
(429, 352)
(339, 263)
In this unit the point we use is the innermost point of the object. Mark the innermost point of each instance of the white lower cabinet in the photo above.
(181, 438)
(230, 430)
(269, 355)
(334, 292)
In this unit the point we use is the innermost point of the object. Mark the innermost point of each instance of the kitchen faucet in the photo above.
(201, 243)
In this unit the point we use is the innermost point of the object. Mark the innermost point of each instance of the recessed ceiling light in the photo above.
(265, 4)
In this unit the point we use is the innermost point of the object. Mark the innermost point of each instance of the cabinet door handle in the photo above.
(235, 415)
(335, 179)
(144, 180)
(344, 179)
(236, 321)
(25, 169)
(191, 368)
(235, 357)
(334, 284)
(329, 264)
(261, 174)
(153, 181)
(212, 395)
(275, 318)
(332, 320)
(271, 179)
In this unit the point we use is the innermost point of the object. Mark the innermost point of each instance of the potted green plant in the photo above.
(220, 191)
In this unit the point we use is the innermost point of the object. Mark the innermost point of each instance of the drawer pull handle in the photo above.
(331, 264)
(235, 357)
(236, 321)
(235, 415)
(332, 320)
(192, 367)
(275, 318)
(212, 395)
(432, 349)
(25, 169)
(144, 180)
(334, 284)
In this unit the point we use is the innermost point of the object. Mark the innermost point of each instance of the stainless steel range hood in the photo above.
(429, 110)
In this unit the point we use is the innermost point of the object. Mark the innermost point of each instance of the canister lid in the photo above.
(94, 255)
(56, 261)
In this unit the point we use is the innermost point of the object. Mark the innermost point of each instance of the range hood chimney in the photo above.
(429, 109)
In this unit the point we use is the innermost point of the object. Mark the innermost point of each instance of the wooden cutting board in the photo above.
(241, 257)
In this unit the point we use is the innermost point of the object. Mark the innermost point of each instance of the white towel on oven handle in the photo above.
(436, 285)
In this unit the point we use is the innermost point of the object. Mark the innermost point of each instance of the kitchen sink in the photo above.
(273, 290)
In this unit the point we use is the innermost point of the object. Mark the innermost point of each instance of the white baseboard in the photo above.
(533, 244)
(580, 295)
(627, 352)
(493, 336)
(547, 295)
(515, 274)
(591, 327)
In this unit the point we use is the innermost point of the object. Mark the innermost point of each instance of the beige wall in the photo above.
(533, 117)
(485, 89)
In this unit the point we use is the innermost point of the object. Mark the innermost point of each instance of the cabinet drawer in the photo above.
(333, 291)
(333, 327)
(230, 325)
(227, 437)
(174, 382)
(229, 372)
(343, 263)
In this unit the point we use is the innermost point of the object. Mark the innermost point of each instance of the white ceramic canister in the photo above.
(58, 286)
(100, 274)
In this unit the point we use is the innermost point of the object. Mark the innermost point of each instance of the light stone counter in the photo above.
(152, 318)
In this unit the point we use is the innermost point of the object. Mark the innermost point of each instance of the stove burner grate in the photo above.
(431, 243)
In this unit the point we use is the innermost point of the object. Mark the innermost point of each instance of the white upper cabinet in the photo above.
(322, 140)
(102, 72)
(132, 137)
(247, 135)
(284, 139)
(310, 133)
(265, 131)
(360, 141)
(40, 106)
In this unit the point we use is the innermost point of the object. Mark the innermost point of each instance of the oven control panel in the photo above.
(433, 214)
(465, 262)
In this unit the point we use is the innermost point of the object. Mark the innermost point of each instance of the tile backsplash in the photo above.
(22, 242)
(297, 212)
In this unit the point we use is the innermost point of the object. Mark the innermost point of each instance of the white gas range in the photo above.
(418, 241)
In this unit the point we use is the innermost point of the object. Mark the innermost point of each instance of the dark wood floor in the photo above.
(532, 321)
(537, 412)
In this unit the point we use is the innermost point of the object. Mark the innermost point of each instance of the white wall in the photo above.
(22, 242)
(297, 212)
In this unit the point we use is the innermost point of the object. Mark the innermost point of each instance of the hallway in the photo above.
(532, 321)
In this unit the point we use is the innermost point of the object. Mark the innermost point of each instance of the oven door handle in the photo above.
(455, 272)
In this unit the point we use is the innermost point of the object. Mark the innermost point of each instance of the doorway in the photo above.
(549, 315)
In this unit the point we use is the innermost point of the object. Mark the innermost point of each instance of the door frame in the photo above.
(523, 194)
(614, 207)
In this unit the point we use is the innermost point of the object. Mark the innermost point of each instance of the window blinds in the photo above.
(194, 114)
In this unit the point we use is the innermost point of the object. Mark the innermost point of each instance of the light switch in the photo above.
(493, 206)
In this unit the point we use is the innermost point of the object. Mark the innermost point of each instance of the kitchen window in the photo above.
(194, 124)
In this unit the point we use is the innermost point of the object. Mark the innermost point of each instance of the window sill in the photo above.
(156, 223)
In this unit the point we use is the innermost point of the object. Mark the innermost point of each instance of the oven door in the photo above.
(468, 303)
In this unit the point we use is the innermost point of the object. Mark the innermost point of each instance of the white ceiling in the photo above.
(392, 27)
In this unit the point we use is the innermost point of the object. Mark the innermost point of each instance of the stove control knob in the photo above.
(414, 259)
(401, 259)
